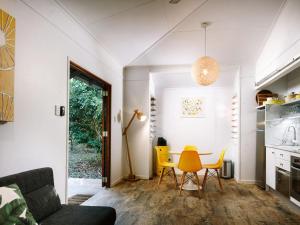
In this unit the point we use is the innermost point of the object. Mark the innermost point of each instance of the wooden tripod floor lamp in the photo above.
(141, 117)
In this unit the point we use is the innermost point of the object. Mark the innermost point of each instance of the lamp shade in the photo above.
(205, 70)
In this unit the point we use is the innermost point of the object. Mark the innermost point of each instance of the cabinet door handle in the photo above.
(273, 152)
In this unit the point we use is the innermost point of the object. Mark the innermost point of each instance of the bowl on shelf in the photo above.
(273, 101)
(262, 96)
(291, 97)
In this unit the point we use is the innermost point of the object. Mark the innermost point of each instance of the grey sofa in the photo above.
(37, 186)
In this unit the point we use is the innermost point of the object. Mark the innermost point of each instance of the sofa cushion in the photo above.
(13, 208)
(43, 202)
(30, 180)
(82, 215)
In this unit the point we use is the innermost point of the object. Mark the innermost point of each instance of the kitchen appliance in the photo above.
(226, 171)
(295, 180)
(283, 181)
(260, 173)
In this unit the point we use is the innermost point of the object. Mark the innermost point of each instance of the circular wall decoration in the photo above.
(2, 39)
(7, 65)
(7, 41)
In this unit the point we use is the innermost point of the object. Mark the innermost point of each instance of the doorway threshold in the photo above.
(83, 186)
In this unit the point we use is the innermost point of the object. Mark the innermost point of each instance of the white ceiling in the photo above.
(154, 32)
(183, 79)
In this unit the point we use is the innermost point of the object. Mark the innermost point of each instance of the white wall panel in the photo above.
(45, 38)
(137, 96)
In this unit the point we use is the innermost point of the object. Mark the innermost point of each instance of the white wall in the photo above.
(287, 84)
(211, 133)
(279, 87)
(236, 143)
(45, 38)
(293, 81)
(247, 123)
(137, 96)
(173, 82)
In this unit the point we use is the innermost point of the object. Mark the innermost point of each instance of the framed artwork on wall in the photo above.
(7, 66)
(192, 107)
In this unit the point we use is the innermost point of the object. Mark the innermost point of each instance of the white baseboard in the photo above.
(295, 201)
(142, 177)
(246, 181)
(117, 181)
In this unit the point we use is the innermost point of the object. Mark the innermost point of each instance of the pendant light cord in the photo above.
(205, 41)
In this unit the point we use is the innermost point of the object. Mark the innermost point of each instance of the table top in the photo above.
(199, 152)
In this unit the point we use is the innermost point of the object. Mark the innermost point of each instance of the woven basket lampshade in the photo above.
(205, 70)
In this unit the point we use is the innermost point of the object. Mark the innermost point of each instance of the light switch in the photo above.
(59, 110)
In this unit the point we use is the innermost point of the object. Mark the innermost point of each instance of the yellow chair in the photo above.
(189, 162)
(216, 167)
(190, 148)
(162, 160)
(164, 157)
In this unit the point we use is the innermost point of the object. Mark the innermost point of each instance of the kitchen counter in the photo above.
(289, 148)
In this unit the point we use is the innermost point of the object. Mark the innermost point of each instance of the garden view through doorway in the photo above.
(87, 126)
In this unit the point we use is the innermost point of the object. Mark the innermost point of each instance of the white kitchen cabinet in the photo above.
(283, 43)
(283, 155)
(283, 164)
(274, 67)
(270, 167)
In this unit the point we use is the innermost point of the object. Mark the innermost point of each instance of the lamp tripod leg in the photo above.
(131, 176)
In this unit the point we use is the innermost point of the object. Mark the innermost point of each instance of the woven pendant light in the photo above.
(205, 70)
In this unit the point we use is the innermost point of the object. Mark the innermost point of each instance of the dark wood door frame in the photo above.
(106, 153)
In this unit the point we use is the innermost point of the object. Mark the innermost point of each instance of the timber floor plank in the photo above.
(142, 203)
(78, 199)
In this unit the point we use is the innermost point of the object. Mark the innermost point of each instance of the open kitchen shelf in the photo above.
(293, 102)
(261, 107)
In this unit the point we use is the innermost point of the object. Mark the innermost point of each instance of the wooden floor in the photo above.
(78, 199)
(142, 203)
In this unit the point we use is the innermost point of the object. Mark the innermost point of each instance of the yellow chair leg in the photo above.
(182, 182)
(204, 179)
(175, 178)
(219, 179)
(161, 176)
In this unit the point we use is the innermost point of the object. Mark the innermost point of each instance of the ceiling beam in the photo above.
(155, 43)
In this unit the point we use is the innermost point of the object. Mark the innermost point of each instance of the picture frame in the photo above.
(192, 107)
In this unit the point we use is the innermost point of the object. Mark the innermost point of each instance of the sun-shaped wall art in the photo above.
(7, 65)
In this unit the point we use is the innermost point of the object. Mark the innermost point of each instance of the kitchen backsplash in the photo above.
(283, 125)
(283, 132)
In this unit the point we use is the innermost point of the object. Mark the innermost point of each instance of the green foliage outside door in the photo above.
(85, 129)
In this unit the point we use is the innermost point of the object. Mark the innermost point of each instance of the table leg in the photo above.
(190, 186)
